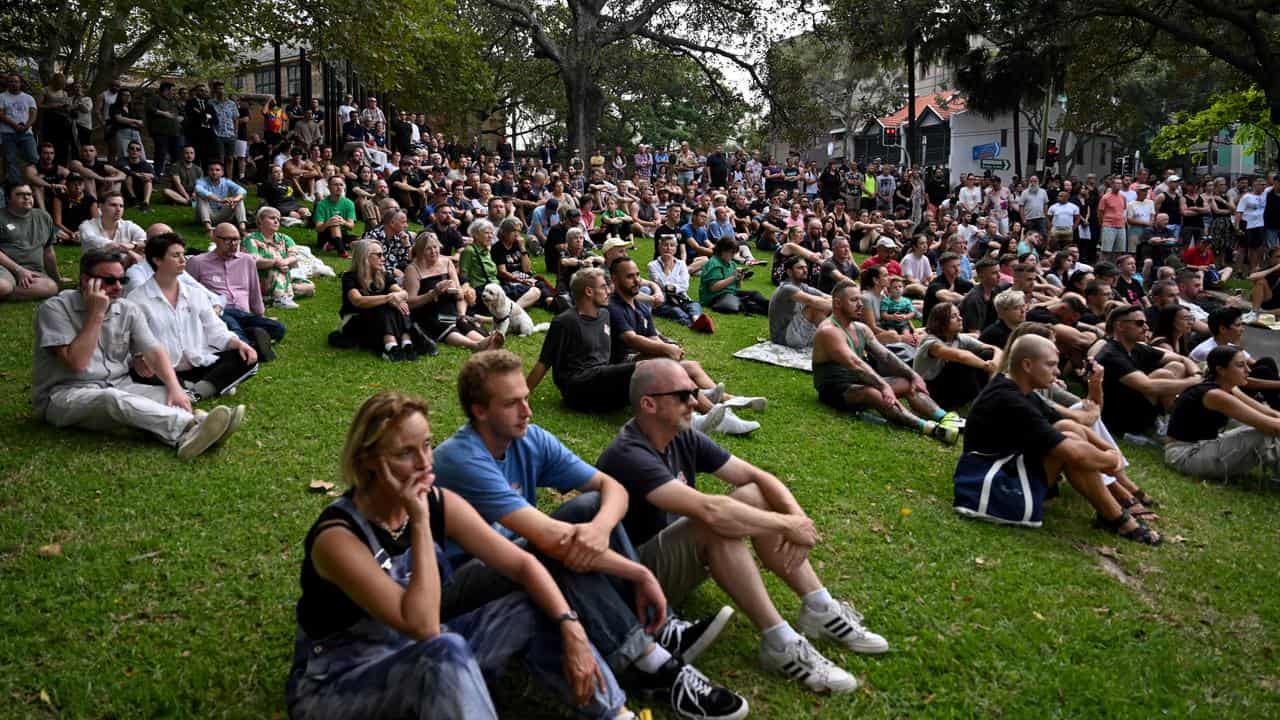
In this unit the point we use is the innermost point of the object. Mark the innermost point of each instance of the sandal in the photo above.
(1141, 534)
(1138, 509)
(1146, 499)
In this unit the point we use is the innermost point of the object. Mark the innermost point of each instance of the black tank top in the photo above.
(1191, 421)
(1171, 208)
(324, 608)
(1194, 221)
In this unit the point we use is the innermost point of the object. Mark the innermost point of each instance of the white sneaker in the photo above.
(713, 394)
(734, 425)
(237, 417)
(758, 404)
(842, 624)
(1162, 426)
(286, 302)
(711, 420)
(1249, 318)
(290, 221)
(205, 433)
(800, 661)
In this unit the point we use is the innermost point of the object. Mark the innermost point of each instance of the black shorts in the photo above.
(1254, 238)
(600, 389)
(833, 395)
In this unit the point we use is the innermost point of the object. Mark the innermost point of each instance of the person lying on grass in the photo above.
(496, 462)
(686, 536)
(372, 641)
(852, 371)
(1008, 419)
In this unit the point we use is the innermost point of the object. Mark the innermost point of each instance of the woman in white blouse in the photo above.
(672, 275)
(207, 357)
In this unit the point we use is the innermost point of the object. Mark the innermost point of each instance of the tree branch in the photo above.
(1178, 31)
(523, 16)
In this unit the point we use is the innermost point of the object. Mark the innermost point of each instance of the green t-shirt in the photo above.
(477, 265)
(24, 237)
(328, 208)
(713, 272)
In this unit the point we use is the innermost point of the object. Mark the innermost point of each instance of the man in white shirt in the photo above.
(110, 232)
(17, 115)
(207, 357)
(1251, 209)
(1065, 216)
(997, 204)
(1033, 201)
(1139, 216)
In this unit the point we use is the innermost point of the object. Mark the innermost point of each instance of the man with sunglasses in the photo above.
(28, 267)
(1140, 382)
(85, 340)
(685, 535)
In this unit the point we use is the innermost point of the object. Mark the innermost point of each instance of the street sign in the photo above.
(993, 164)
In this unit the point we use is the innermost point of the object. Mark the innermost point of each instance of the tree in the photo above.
(1247, 113)
(573, 35)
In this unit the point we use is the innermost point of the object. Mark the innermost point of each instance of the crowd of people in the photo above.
(1039, 331)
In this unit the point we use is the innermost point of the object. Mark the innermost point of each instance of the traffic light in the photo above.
(890, 137)
(1050, 151)
(1117, 166)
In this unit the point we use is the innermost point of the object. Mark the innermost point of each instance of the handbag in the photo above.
(1002, 490)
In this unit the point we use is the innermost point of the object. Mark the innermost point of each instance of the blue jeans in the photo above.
(14, 144)
(240, 322)
(604, 603)
(682, 313)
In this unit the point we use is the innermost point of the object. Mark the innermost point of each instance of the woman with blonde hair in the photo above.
(371, 641)
(375, 310)
(438, 301)
(276, 255)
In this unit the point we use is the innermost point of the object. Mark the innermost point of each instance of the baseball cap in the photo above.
(616, 242)
(886, 242)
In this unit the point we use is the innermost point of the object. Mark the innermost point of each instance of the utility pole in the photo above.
(1044, 132)
(910, 144)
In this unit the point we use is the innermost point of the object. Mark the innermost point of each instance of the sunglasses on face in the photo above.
(110, 280)
(682, 396)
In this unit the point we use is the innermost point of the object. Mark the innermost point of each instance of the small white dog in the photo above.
(508, 317)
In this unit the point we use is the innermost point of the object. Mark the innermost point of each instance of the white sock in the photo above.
(389, 346)
(654, 661)
(779, 636)
(818, 600)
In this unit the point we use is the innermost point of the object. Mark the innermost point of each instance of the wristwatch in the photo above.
(569, 616)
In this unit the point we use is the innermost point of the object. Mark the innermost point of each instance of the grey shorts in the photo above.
(672, 556)
(1113, 240)
(6, 276)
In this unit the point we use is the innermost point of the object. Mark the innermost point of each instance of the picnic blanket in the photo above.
(780, 355)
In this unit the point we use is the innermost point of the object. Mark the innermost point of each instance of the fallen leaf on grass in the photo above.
(1036, 614)
(1107, 551)
(333, 493)
(906, 512)
(44, 698)
(48, 551)
(1177, 539)
(320, 486)
(980, 561)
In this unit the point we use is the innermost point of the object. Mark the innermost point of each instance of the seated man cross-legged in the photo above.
(496, 462)
(796, 308)
(1142, 382)
(686, 536)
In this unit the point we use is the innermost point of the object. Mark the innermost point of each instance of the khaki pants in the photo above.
(672, 556)
(209, 213)
(1234, 452)
(131, 405)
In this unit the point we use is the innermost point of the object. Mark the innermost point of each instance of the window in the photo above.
(264, 81)
(1102, 153)
(237, 82)
(293, 79)
(1079, 152)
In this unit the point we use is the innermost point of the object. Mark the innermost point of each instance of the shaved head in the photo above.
(158, 229)
(1030, 347)
(657, 375)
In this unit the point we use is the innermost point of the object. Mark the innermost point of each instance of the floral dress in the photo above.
(274, 281)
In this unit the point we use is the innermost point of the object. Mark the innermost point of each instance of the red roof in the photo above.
(943, 103)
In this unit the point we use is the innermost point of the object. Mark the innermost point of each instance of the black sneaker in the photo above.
(687, 640)
(409, 352)
(262, 343)
(429, 346)
(393, 354)
(691, 694)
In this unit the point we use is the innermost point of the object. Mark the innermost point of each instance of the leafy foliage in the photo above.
(1244, 113)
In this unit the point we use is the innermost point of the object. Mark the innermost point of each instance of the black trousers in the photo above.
(367, 328)
(958, 384)
(229, 371)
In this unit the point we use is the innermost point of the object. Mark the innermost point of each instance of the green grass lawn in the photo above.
(173, 592)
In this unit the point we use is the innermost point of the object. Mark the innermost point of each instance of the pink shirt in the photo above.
(234, 278)
(1111, 209)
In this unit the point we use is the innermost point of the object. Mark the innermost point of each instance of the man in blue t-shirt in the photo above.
(496, 462)
(686, 535)
(697, 241)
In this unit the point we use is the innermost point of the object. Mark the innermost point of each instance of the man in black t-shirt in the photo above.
(1007, 418)
(1141, 381)
(948, 286)
(1011, 311)
(685, 536)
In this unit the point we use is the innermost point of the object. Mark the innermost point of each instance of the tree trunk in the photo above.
(585, 98)
(1017, 139)
(912, 132)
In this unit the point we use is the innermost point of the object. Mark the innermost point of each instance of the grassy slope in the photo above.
(174, 592)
